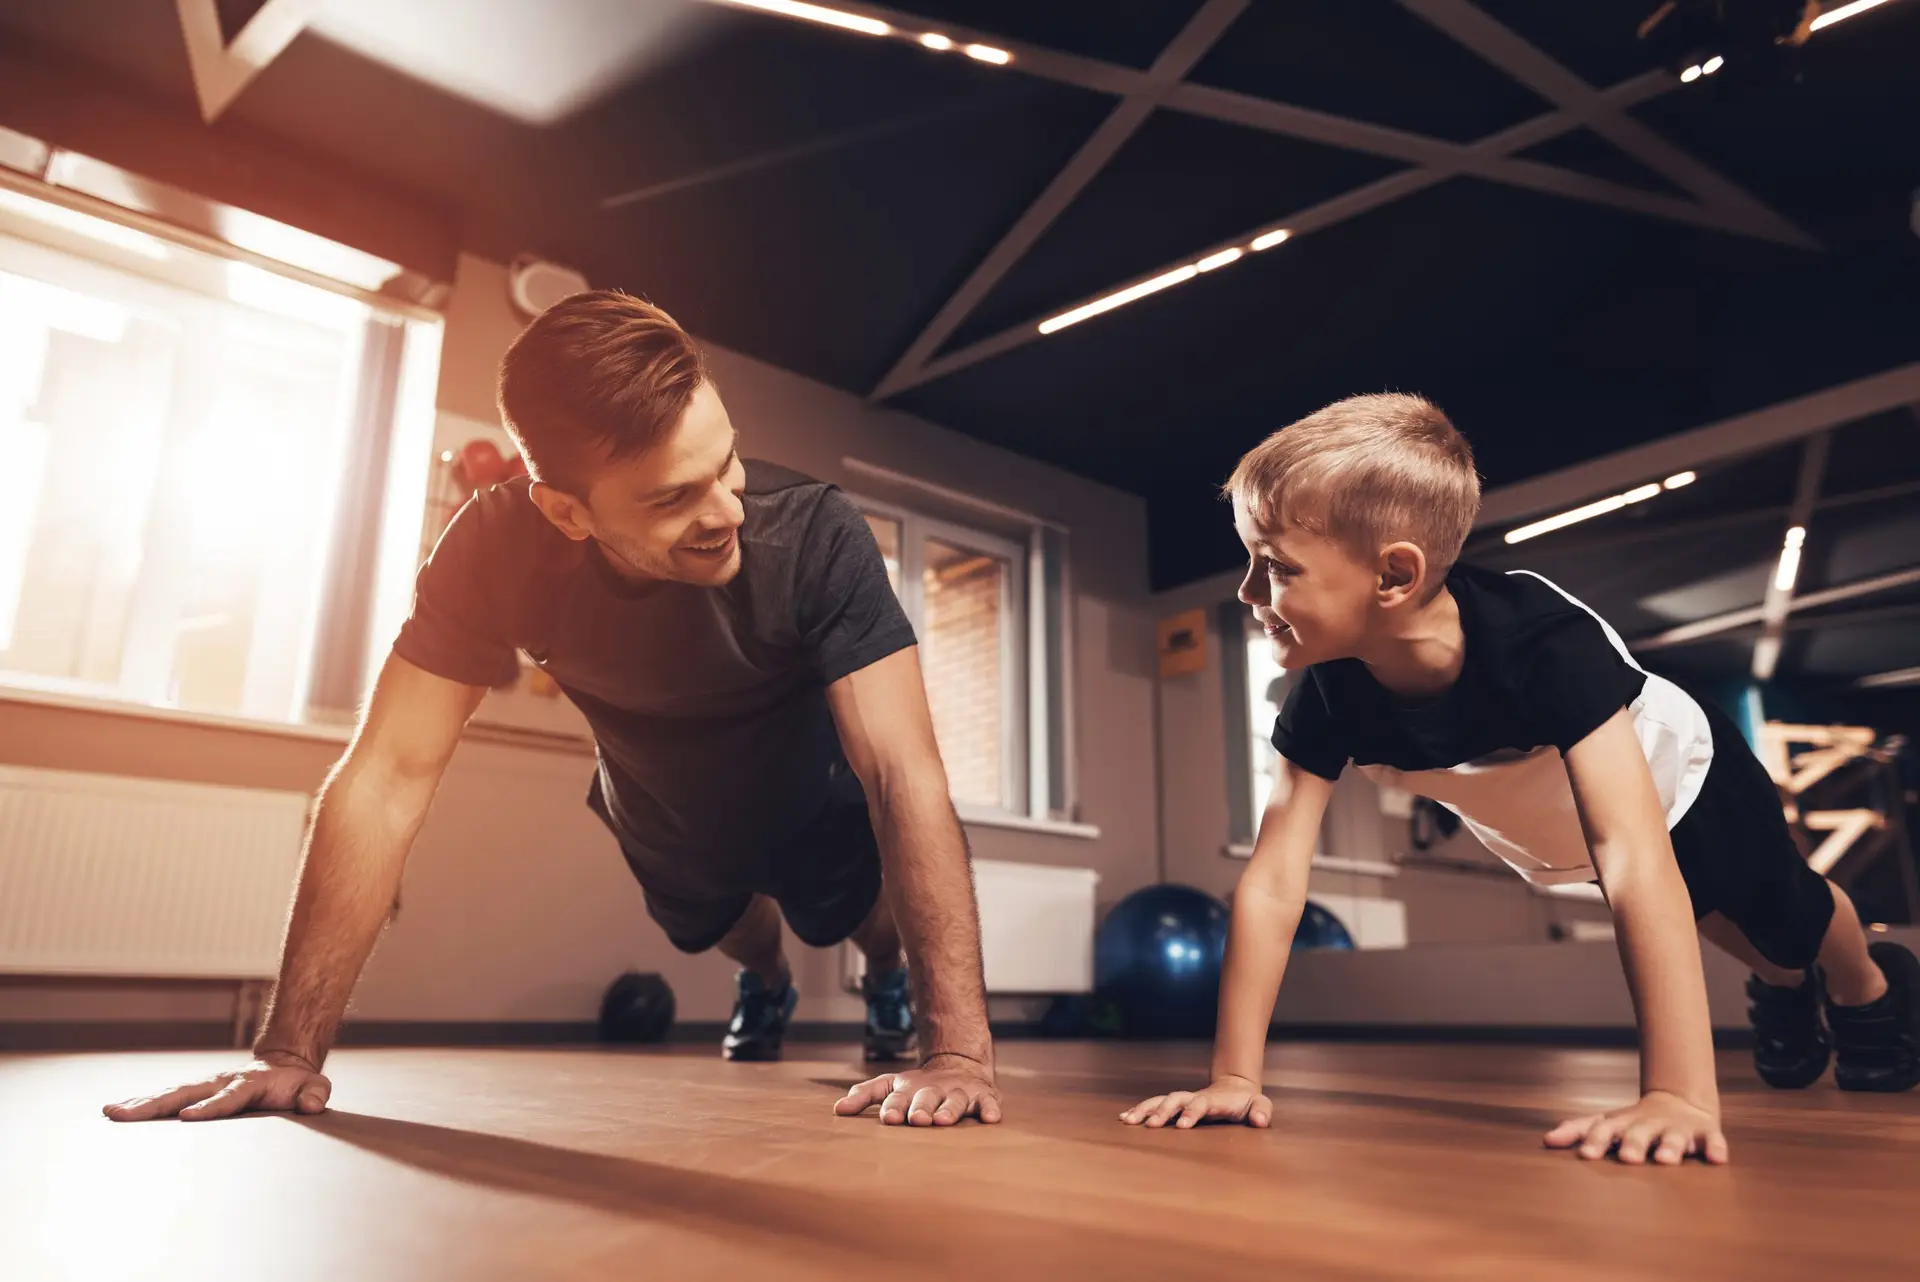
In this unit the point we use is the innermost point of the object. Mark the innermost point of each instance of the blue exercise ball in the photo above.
(1320, 929)
(1157, 958)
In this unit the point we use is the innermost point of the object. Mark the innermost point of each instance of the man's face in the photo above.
(671, 513)
(1310, 594)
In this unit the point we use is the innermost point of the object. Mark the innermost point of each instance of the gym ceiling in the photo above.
(1513, 207)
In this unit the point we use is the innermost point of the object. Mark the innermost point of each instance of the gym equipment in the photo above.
(637, 1008)
(1157, 959)
(1320, 929)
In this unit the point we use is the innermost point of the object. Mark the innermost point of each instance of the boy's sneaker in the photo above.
(1878, 1045)
(889, 1032)
(1790, 1047)
(760, 1018)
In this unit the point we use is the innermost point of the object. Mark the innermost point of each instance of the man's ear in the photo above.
(1403, 569)
(568, 514)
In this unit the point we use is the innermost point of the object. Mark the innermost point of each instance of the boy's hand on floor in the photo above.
(1661, 1126)
(1230, 1099)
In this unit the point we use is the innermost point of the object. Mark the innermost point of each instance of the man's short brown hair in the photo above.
(598, 376)
(1367, 471)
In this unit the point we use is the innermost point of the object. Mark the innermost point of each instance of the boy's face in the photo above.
(1314, 598)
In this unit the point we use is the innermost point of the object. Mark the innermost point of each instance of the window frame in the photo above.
(1030, 686)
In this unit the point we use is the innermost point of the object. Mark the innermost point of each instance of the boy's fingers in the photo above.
(1716, 1148)
(1260, 1113)
(1673, 1147)
(1195, 1112)
(1601, 1137)
(1570, 1132)
(1636, 1139)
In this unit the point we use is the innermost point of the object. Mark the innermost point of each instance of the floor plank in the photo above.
(1383, 1162)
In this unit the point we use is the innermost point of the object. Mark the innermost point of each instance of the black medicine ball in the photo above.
(637, 1008)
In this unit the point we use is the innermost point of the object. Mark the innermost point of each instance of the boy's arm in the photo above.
(1266, 912)
(1679, 1110)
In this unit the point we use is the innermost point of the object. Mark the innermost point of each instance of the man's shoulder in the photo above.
(772, 481)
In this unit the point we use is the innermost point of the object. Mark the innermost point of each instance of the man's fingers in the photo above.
(989, 1107)
(141, 1110)
(893, 1109)
(955, 1106)
(925, 1101)
(1571, 1131)
(228, 1100)
(863, 1096)
(313, 1096)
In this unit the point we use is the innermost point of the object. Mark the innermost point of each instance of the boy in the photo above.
(1507, 700)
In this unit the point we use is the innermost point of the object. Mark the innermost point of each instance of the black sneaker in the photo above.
(760, 1018)
(1878, 1045)
(889, 1032)
(1790, 1047)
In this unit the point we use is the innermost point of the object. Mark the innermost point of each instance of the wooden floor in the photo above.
(1383, 1162)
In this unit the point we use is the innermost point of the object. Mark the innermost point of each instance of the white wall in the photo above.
(516, 904)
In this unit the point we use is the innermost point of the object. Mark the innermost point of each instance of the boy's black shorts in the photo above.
(1739, 858)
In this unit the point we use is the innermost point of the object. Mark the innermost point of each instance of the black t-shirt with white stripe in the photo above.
(1541, 672)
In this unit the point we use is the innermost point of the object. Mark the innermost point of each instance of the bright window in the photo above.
(180, 430)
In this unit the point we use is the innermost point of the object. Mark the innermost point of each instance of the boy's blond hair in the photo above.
(1367, 471)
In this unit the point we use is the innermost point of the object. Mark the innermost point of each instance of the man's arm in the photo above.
(1266, 912)
(1626, 830)
(886, 730)
(370, 810)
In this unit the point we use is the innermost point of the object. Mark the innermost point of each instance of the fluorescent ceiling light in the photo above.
(1220, 259)
(1600, 507)
(1789, 568)
(817, 13)
(1677, 480)
(1268, 240)
(1887, 680)
(1178, 276)
(987, 53)
(1712, 65)
(1844, 12)
(934, 40)
(1690, 75)
(1766, 657)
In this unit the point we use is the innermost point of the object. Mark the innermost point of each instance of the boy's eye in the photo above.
(1275, 569)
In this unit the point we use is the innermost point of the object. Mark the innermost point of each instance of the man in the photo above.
(764, 741)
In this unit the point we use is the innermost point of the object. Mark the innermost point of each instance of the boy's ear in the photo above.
(1403, 567)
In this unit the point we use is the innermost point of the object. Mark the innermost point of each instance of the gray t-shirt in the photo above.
(708, 705)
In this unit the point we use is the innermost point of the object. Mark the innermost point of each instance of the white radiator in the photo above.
(1036, 930)
(1036, 927)
(101, 875)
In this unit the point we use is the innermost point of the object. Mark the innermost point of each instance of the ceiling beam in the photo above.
(1200, 34)
(1474, 28)
(1888, 680)
(1451, 161)
(1778, 602)
(221, 69)
(1701, 629)
(1735, 437)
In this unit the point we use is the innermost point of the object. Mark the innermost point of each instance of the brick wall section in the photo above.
(961, 655)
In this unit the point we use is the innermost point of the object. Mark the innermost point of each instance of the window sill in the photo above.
(177, 716)
(980, 817)
(1326, 863)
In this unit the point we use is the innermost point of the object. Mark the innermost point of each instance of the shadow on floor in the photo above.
(806, 1225)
